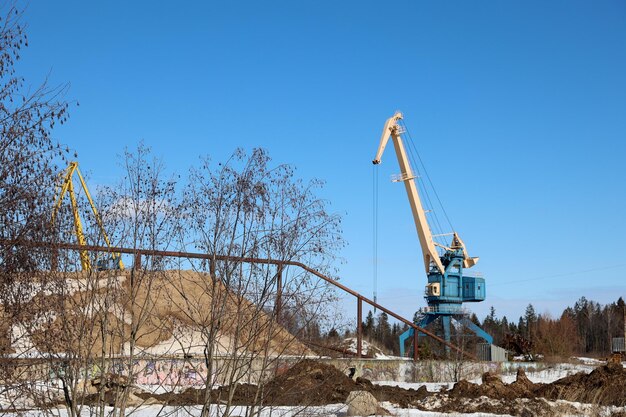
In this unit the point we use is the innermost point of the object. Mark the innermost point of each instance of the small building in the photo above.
(490, 353)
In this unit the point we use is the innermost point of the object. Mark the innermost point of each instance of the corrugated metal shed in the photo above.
(491, 353)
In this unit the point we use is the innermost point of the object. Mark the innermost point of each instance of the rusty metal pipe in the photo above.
(194, 255)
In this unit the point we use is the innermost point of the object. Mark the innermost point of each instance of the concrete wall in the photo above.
(408, 371)
(193, 371)
(179, 372)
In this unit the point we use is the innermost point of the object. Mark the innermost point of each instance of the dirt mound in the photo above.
(523, 387)
(242, 394)
(306, 383)
(522, 407)
(405, 398)
(605, 385)
(309, 383)
(493, 387)
(312, 383)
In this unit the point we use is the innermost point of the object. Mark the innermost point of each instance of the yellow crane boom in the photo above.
(67, 187)
(394, 131)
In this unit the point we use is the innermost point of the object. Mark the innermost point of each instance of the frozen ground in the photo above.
(194, 411)
(350, 345)
(336, 410)
(433, 402)
(589, 361)
(546, 375)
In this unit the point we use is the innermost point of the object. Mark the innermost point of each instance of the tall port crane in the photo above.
(67, 187)
(448, 285)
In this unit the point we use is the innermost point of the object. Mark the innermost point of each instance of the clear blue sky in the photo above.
(518, 110)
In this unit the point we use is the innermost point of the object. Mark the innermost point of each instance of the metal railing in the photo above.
(211, 258)
(446, 309)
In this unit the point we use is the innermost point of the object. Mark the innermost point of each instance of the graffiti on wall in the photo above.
(170, 372)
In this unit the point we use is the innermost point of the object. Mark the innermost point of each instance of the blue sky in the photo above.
(518, 110)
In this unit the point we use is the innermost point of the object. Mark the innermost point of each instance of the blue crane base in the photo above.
(445, 320)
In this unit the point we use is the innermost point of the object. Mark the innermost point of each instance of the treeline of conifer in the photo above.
(586, 328)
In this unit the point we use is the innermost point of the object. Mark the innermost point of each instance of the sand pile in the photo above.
(170, 313)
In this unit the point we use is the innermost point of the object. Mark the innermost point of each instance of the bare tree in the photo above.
(247, 209)
(28, 151)
(141, 212)
(28, 156)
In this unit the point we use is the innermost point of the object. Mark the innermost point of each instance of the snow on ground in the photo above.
(403, 412)
(430, 386)
(194, 411)
(546, 376)
(589, 361)
(350, 344)
(551, 373)
(333, 410)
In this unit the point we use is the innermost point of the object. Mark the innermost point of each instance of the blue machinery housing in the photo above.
(445, 295)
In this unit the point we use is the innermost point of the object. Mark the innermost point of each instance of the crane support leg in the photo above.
(445, 321)
(477, 330)
(403, 337)
(428, 318)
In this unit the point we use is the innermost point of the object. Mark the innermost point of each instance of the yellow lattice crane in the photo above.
(67, 187)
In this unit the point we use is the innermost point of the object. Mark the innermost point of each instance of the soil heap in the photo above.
(312, 383)
(306, 383)
(605, 385)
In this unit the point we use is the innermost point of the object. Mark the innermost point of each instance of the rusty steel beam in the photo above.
(279, 293)
(416, 354)
(194, 255)
(359, 327)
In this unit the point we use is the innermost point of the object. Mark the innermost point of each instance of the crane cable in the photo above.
(415, 156)
(419, 165)
(427, 202)
(375, 229)
(412, 143)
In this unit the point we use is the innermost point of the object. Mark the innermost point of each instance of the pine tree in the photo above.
(368, 326)
(332, 334)
(383, 330)
(417, 317)
(521, 327)
(530, 319)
